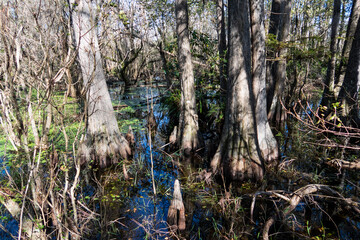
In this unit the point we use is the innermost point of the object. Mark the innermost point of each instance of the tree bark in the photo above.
(176, 213)
(165, 66)
(103, 142)
(238, 154)
(266, 139)
(220, 28)
(275, 112)
(274, 26)
(328, 94)
(348, 95)
(350, 32)
(188, 124)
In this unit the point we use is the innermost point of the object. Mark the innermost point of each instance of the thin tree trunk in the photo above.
(266, 140)
(220, 28)
(328, 94)
(340, 39)
(165, 66)
(71, 90)
(348, 95)
(188, 124)
(350, 32)
(103, 142)
(67, 52)
(238, 154)
(275, 112)
(274, 26)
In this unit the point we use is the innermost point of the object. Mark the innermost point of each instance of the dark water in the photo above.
(144, 215)
(10, 225)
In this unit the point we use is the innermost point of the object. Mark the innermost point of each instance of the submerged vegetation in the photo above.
(180, 119)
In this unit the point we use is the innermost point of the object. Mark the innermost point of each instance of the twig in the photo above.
(270, 193)
(150, 147)
(299, 194)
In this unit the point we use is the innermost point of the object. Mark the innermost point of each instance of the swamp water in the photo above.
(140, 214)
(128, 209)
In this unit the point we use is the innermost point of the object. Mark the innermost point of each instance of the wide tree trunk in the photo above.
(328, 94)
(188, 124)
(266, 139)
(348, 95)
(238, 153)
(103, 142)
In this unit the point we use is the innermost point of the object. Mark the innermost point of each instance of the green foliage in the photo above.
(171, 103)
(300, 52)
(123, 18)
(202, 45)
(334, 114)
(5, 146)
(216, 111)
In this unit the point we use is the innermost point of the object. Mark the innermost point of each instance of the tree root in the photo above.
(295, 199)
(103, 149)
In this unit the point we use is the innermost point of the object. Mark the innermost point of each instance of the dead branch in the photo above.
(268, 193)
(307, 190)
(315, 122)
(166, 52)
(343, 164)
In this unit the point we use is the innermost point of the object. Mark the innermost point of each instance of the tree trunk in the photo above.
(220, 28)
(274, 26)
(176, 213)
(165, 66)
(348, 95)
(103, 142)
(275, 112)
(238, 154)
(188, 124)
(328, 94)
(266, 140)
(350, 32)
